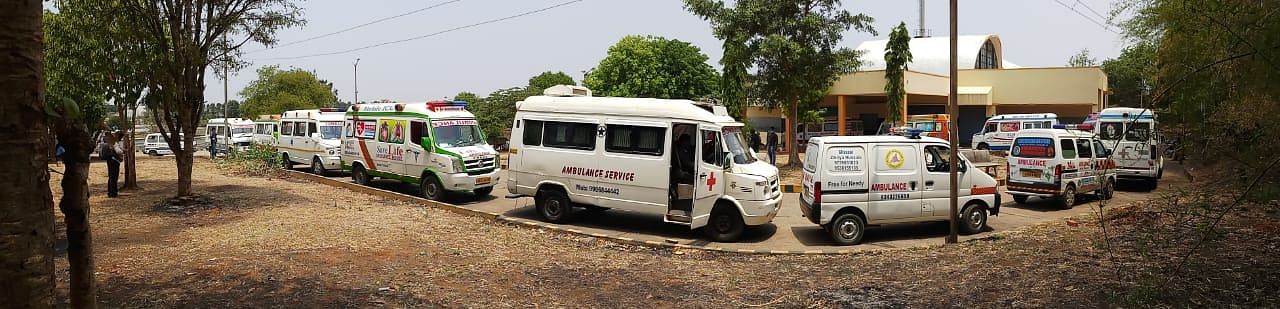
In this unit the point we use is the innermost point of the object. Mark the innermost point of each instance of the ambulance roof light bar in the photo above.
(1079, 127)
(437, 106)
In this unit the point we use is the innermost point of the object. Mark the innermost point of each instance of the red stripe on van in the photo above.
(364, 151)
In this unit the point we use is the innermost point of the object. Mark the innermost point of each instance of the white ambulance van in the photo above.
(437, 145)
(1059, 164)
(311, 136)
(1131, 135)
(998, 131)
(851, 182)
(156, 145)
(233, 133)
(683, 161)
(266, 131)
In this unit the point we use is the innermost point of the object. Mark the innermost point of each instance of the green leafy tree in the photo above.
(468, 97)
(1130, 75)
(653, 67)
(276, 91)
(184, 38)
(897, 54)
(547, 79)
(793, 44)
(1082, 59)
(497, 111)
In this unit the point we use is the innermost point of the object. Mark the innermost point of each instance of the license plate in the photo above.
(483, 180)
(1031, 173)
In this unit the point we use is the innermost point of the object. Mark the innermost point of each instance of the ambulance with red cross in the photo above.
(1059, 164)
(436, 145)
(679, 160)
(852, 182)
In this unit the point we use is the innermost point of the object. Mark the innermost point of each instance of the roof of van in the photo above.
(876, 139)
(1024, 116)
(312, 114)
(636, 107)
(457, 109)
(1053, 132)
(229, 120)
(1119, 112)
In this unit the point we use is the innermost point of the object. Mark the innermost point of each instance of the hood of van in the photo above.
(471, 152)
(758, 168)
(331, 143)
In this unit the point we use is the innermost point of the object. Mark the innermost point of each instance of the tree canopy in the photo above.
(547, 79)
(897, 54)
(653, 67)
(1130, 75)
(277, 90)
(1082, 58)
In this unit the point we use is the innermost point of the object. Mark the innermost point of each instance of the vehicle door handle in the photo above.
(913, 185)
(928, 183)
(703, 175)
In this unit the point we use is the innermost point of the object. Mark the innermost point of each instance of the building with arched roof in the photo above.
(988, 85)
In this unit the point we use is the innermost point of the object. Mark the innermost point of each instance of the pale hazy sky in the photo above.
(575, 37)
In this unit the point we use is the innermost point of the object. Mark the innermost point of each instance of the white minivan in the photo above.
(1059, 164)
(851, 182)
(156, 145)
(232, 133)
(311, 136)
(998, 131)
(684, 162)
(1130, 134)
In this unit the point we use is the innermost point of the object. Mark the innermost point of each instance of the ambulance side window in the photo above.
(571, 135)
(348, 129)
(311, 127)
(417, 130)
(532, 132)
(991, 127)
(1084, 149)
(711, 150)
(1068, 149)
(1012, 126)
(300, 129)
(935, 159)
(634, 139)
(288, 129)
(1101, 149)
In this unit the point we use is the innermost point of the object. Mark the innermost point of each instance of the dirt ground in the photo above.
(270, 242)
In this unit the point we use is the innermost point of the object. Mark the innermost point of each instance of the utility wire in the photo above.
(429, 34)
(1073, 9)
(1090, 8)
(357, 26)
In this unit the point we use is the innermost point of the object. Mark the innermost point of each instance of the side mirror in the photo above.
(315, 135)
(427, 144)
(964, 167)
(726, 160)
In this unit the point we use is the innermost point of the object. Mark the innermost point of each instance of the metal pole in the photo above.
(953, 237)
(355, 72)
(225, 77)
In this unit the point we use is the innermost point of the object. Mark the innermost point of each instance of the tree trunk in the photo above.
(184, 160)
(129, 166)
(793, 150)
(26, 204)
(75, 210)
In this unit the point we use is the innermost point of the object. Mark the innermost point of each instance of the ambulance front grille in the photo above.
(773, 187)
(481, 166)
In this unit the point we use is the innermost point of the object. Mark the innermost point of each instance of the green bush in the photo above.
(258, 160)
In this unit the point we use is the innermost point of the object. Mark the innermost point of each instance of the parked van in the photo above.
(437, 145)
(1059, 163)
(156, 145)
(1130, 134)
(311, 136)
(233, 133)
(684, 161)
(998, 131)
(932, 125)
(851, 182)
(266, 131)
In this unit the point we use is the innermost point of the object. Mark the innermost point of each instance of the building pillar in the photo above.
(903, 121)
(840, 122)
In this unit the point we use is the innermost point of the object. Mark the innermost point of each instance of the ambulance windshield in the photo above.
(330, 132)
(448, 136)
(737, 145)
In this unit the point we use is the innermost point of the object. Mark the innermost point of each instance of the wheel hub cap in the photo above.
(848, 229)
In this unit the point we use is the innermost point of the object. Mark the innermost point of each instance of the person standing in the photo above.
(213, 143)
(771, 142)
(113, 151)
(755, 141)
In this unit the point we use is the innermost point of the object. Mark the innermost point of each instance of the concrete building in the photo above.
(988, 85)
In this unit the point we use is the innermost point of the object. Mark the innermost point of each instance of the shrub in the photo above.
(258, 160)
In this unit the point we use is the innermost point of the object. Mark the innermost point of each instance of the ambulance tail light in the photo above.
(1057, 172)
(817, 192)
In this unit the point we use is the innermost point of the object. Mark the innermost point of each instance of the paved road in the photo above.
(789, 230)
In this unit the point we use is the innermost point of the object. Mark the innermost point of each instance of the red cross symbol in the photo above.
(711, 182)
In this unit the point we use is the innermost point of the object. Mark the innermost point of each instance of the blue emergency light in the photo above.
(912, 133)
(433, 105)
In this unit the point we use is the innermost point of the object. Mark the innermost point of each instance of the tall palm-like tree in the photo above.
(26, 205)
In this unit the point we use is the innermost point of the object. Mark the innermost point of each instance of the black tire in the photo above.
(554, 206)
(1020, 199)
(725, 225)
(1068, 197)
(983, 146)
(847, 229)
(483, 191)
(153, 153)
(359, 175)
(431, 188)
(317, 167)
(284, 161)
(973, 220)
(1151, 184)
(1108, 190)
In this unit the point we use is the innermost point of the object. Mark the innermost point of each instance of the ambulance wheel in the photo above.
(1020, 199)
(431, 188)
(317, 167)
(1068, 197)
(1108, 190)
(847, 229)
(359, 175)
(483, 191)
(284, 161)
(554, 206)
(973, 219)
(153, 153)
(725, 225)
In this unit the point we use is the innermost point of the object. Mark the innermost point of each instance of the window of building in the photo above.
(987, 57)
(572, 135)
(532, 132)
(634, 139)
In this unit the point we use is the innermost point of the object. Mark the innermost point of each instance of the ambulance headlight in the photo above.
(457, 165)
(761, 183)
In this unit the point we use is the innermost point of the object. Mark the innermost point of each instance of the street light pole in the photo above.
(355, 72)
(953, 237)
(225, 76)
